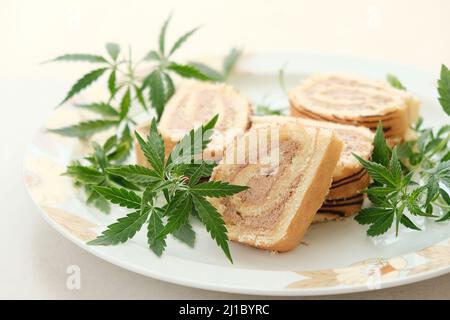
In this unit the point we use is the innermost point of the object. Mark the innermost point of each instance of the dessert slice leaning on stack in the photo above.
(283, 195)
(192, 105)
(356, 101)
(349, 177)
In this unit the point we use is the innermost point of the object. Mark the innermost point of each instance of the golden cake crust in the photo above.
(296, 216)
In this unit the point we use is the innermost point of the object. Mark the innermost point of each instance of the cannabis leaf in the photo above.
(135, 173)
(394, 194)
(182, 40)
(126, 85)
(213, 222)
(228, 66)
(381, 152)
(122, 230)
(177, 179)
(153, 148)
(83, 83)
(158, 94)
(155, 225)
(96, 169)
(101, 108)
(83, 57)
(185, 234)
(86, 128)
(395, 82)
(159, 81)
(217, 189)
(122, 197)
(187, 71)
(444, 89)
(230, 62)
(113, 50)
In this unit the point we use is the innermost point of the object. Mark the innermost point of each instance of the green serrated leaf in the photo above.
(148, 197)
(122, 230)
(217, 189)
(122, 197)
(395, 167)
(378, 172)
(120, 154)
(381, 225)
(79, 57)
(212, 73)
(113, 50)
(230, 62)
(213, 222)
(84, 82)
(169, 86)
(379, 191)
(177, 217)
(381, 152)
(188, 169)
(152, 55)
(123, 149)
(444, 196)
(84, 174)
(125, 104)
(372, 214)
(445, 217)
(443, 130)
(135, 173)
(192, 143)
(185, 234)
(112, 83)
(98, 201)
(86, 128)
(162, 35)
(182, 40)
(99, 155)
(157, 92)
(404, 220)
(119, 182)
(395, 82)
(197, 174)
(140, 97)
(413, 203)
(444, 89)
(155, 225)
(187, 71)
(101, 108)
(153, 149)
(110, 143)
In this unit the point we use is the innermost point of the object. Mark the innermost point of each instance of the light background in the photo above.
(34, 257)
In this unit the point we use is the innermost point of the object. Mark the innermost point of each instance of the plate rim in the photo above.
(222, 287)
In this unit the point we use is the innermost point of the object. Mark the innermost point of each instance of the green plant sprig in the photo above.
(177, 179)
(411, 179)
(125, 86)
(152, 89)
(228, 66)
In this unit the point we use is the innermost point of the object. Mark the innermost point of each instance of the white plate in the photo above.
(338, 257)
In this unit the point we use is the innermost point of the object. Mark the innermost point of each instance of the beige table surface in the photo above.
(34, 258)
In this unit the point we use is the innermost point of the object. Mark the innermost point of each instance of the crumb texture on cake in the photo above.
(277, 209)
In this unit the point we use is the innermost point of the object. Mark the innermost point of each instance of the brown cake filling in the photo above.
(264, 191)
(338, 93)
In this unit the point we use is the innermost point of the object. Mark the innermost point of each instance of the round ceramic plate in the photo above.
(336, 257)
